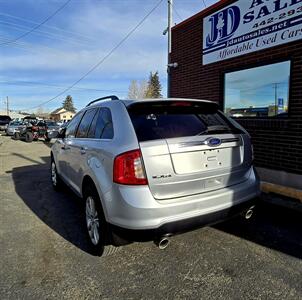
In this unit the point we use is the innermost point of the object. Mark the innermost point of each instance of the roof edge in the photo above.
(129, 102)
(203, 13)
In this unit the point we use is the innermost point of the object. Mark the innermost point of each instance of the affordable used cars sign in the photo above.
(250, 25)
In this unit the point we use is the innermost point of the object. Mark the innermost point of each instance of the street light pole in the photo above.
(7, 106)
(170, 22)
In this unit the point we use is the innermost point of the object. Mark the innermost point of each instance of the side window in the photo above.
(85, 123)
(102, 127)
(91, 132)
(72, 126)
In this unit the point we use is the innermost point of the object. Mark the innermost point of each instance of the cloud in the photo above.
(98, 26)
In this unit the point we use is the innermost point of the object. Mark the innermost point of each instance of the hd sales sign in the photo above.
(250, 25)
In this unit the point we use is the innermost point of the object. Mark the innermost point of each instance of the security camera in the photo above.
(173, 65)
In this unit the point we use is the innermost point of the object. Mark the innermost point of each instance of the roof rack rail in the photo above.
(112, 97)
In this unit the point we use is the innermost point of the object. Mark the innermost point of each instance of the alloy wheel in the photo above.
(92, 221)
(53, 174)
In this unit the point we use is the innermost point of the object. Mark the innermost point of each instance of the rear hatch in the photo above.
(189, 147)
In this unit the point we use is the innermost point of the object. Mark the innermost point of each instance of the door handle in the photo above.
(83, 150)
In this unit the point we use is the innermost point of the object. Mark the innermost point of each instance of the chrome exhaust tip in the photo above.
(162, 243)
(249, 213)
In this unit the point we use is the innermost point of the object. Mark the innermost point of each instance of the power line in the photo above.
(204, 3)
(30, 47)
(80, 36)
(176, 12)
(51, 35)
(30, 83)
(39, 25)
(105, 57)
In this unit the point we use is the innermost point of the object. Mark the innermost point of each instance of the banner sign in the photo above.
(250, 25)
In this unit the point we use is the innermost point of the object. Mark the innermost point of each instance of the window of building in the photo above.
(258, 92)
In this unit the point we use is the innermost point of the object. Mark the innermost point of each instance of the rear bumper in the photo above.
(134, 208)
(10, 131)
(123, 235)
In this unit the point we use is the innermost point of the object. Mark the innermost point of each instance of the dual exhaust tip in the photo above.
(249, 213)
(163, 242)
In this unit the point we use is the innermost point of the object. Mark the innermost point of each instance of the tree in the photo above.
(137, 90)
(154, 86)
(40, 111)
(68, 104)
(133, 90)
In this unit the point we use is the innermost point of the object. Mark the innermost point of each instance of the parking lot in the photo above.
(44, 252)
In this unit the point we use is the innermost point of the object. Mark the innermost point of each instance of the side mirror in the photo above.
(57, 134)
(61, 133)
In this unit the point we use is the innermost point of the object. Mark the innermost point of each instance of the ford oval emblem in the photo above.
(213, 142)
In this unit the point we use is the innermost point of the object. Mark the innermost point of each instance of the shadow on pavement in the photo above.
(61, 211)
(272, 226)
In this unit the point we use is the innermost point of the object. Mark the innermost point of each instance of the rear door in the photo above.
(189, 147)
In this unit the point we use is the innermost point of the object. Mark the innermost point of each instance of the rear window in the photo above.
(5, 118)
(51, 123)
(15, 123)
(160, 120)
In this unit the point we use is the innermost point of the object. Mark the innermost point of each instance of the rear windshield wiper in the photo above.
(215, 128)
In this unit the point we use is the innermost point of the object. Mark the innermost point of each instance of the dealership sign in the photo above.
(250, 25)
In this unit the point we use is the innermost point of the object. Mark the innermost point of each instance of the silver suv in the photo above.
(151, 168)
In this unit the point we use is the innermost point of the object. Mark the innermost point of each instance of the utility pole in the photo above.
(7, 106)
(275, 86)
(170, 22)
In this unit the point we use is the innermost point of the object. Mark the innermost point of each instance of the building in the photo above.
(14, 114)
(246, 55)
(61, 114)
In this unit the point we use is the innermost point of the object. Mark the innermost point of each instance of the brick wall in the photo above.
(277, 142)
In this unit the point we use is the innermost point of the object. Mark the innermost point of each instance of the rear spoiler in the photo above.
(173, 103)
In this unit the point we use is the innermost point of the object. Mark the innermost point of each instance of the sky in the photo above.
(42, 64)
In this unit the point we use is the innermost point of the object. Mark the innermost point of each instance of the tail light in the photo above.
(34, 128)
(128, 169)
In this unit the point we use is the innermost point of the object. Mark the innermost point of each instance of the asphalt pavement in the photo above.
(44, 252)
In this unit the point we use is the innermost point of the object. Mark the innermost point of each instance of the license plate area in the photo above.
(206, 160)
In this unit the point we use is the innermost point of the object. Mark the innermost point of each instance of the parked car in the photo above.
(52, 125)
(52, 128)
(32, 131)
(148, 169)
(12, 127)
(4, 121)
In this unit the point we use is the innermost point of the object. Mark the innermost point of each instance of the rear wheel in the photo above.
(17, 136)
(29, 137)
(97, 227)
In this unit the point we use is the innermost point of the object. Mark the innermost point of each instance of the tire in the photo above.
(98, 233)
(55, 177)
(17, 136)
(47, 139)
(29, 137)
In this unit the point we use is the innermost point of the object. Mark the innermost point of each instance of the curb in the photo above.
(286, 191)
